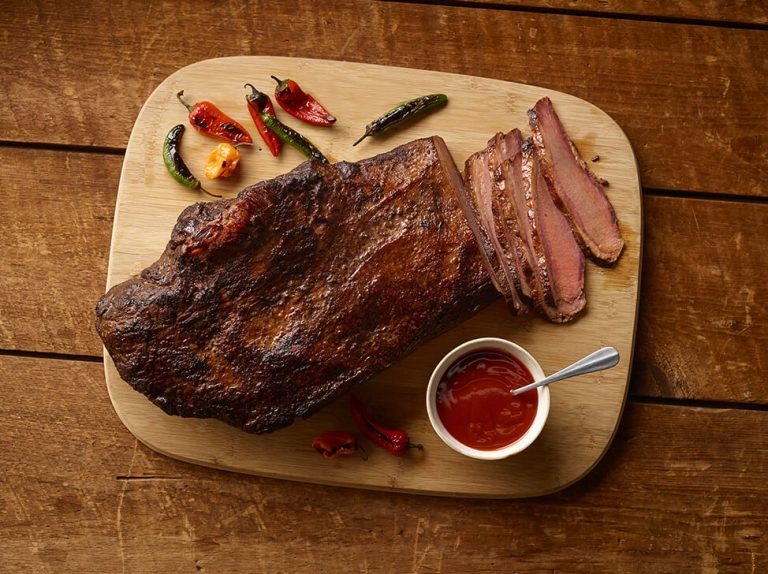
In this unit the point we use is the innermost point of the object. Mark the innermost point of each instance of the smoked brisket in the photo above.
(559, 266)
(577, 191)
(268, 306)
(482, 186)
(537, 209)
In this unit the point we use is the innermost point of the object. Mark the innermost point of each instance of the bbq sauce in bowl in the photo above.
(470, 403)
(476, 404)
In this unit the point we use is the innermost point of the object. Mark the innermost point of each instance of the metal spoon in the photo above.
(601, 359)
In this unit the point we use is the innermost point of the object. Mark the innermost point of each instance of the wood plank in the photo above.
(90, 85)
(716, 11)
(703, 329)
(56, 227)
(675, 494)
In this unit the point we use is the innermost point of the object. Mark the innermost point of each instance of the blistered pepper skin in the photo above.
(393, 441)
(300, 104)
(209, 120)
(175, 164)
(333, 444)
(222, 161)
(258, 104)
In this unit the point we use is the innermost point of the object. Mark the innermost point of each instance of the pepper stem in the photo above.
(185, 104)
(201, 188)
(365, 135)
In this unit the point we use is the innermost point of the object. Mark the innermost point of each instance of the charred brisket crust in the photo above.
(266, 307)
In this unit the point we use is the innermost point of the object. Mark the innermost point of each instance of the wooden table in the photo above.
(683, 486)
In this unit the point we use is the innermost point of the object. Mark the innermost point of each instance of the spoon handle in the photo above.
(601, 359)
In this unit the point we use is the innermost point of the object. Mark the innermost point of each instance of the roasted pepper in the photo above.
(403, 113)
(332, 444)
(293, 138)
(394, 441)
(175, 164)
(259, 103)
(300, 104)
(222, 161)
(206, 118)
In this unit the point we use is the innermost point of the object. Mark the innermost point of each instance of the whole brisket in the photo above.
(266, 307)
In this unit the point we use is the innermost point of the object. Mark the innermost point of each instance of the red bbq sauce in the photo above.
(475, 403)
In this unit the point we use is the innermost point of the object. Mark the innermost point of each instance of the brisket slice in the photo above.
(506, 147)
(576, 190)
(475, 198)
(555, 264)
(521, 221)
(266, 307)
(482, 187)
(558, 261)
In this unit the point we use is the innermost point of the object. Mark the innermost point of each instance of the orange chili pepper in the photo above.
(222, 161)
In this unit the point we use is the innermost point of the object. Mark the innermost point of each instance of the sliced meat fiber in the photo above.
(479, 179)
(517, 192)
(506, 147)
(577, 191)
(558, 261)
(502, 147)
(471, 208)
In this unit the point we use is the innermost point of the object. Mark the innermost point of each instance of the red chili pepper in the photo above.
(394, 441)
(300, 104)
(332, 444)
(259, 103)
(206, 118)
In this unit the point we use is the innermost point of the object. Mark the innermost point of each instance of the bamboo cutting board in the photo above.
(585, 411)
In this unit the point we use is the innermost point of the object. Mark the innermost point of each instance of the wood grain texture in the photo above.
(55, 223)
(581, 422)
(674, 494)
(662, 82)
(720, 11)
(704, 287)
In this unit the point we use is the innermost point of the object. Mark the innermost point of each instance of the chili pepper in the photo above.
(402, 113)
(394, 441)
(293, 138)
(300, 104)
(332, 444)
(174, 162)
(206, 118)
(258, 103)
(222, 161)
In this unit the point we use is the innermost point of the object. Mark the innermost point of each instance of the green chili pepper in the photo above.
(292, 137)
(402, 113)
(175, 164)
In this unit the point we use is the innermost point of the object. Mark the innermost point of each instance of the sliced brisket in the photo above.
(479, 192)
(555, 264)
(506, 218)
(558, 259)
(484, 188)
(577, 191)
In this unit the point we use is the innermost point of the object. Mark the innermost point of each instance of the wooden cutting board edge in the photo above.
(125, 400)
